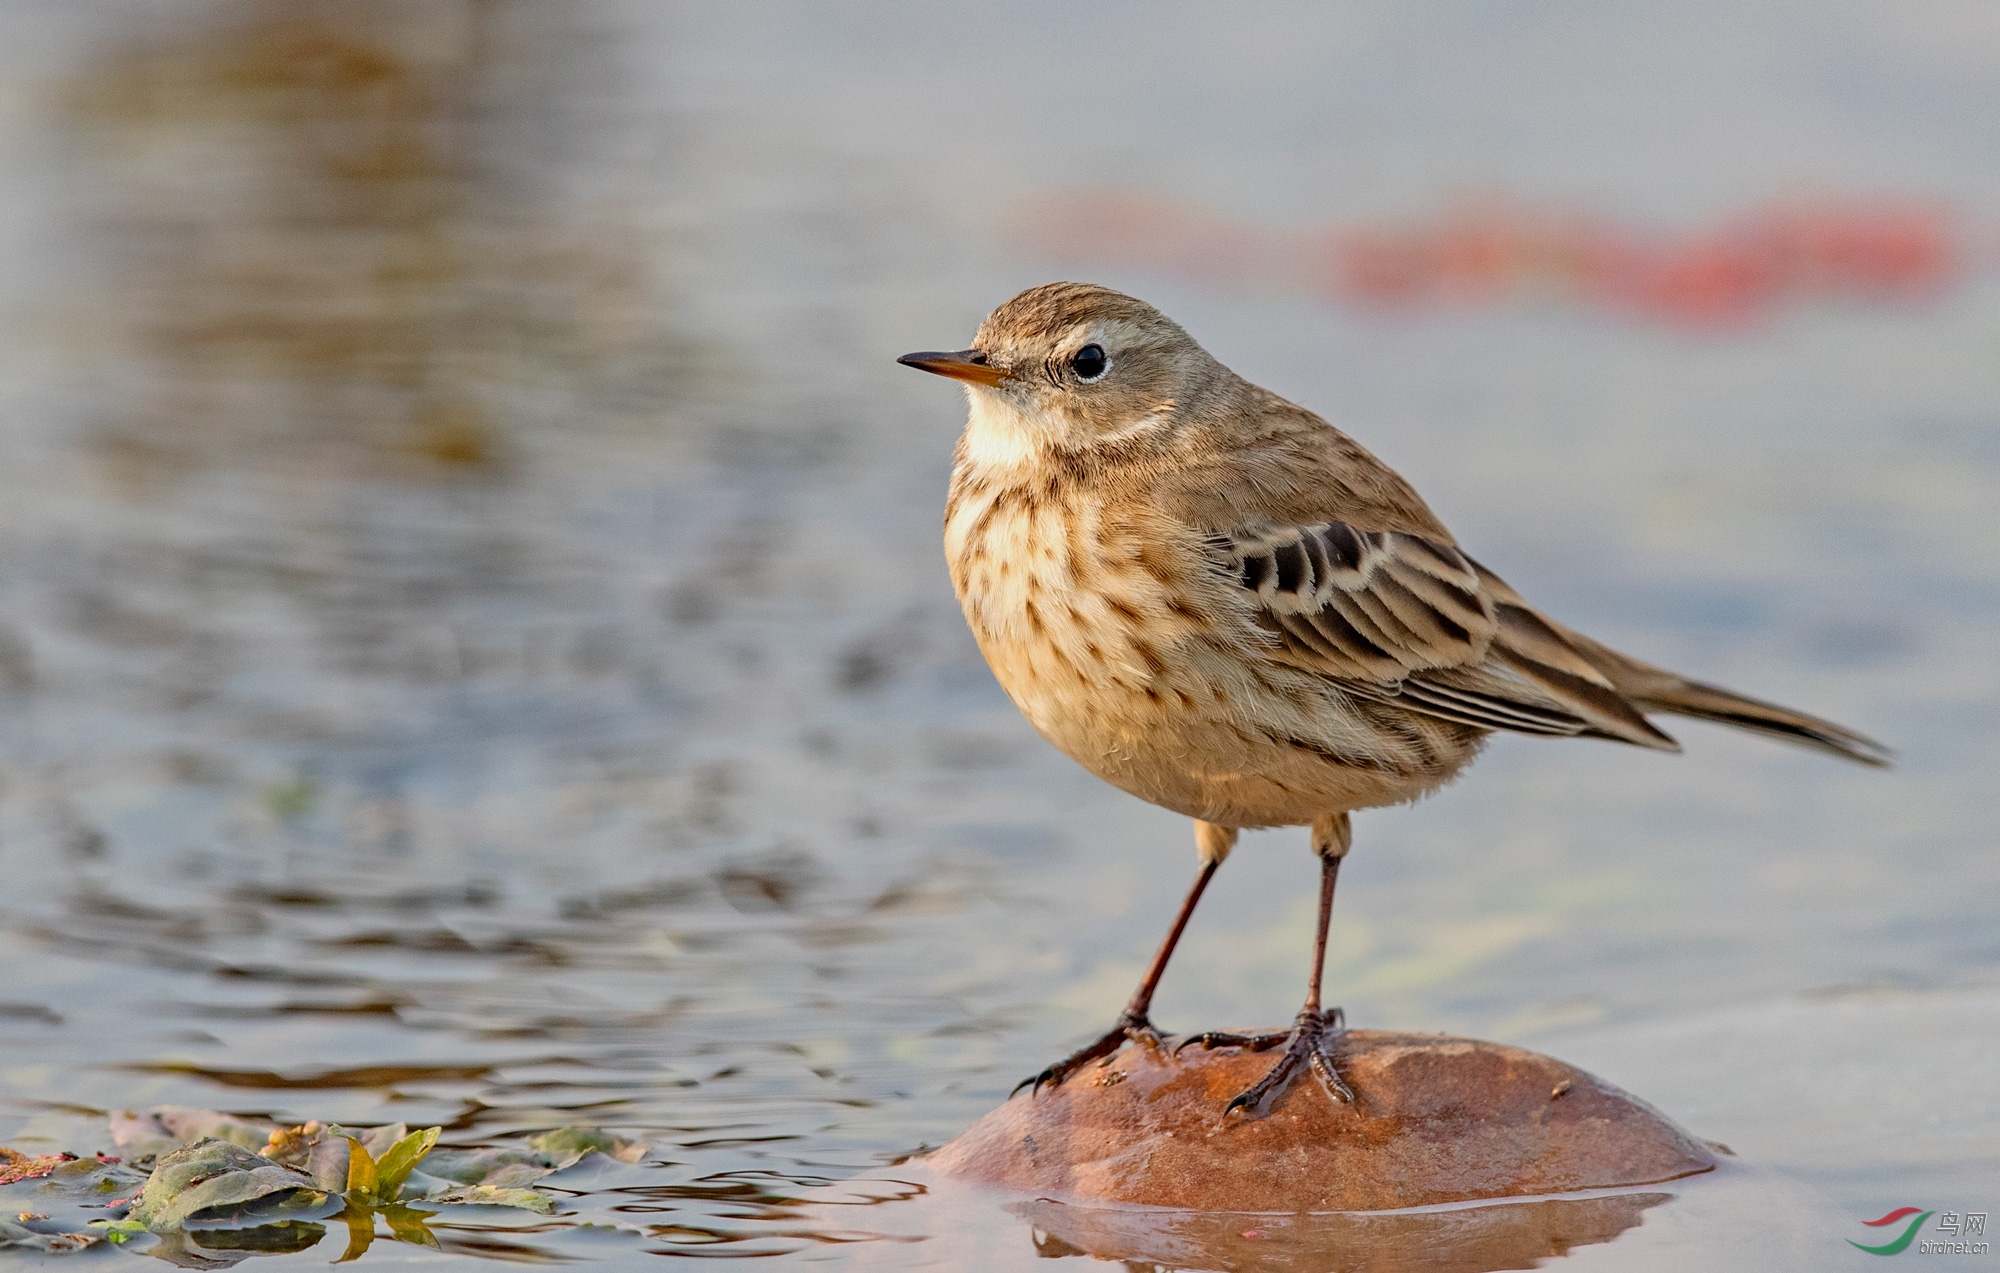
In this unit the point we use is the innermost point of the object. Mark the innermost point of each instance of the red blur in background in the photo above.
(1866, 250)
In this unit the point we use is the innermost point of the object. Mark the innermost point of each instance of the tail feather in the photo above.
(1607, 691)
(1709, 702)
(1655, 689)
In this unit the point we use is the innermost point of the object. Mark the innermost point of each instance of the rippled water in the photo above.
(474, 648)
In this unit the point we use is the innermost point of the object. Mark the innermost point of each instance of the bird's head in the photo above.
(1072, 367)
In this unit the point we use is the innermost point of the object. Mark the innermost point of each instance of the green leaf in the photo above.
(489, 1195)
(118, 1231)
(212, 1179)
(567, 1145)
(486, 1166)
(395, 1166)
(380, 1140)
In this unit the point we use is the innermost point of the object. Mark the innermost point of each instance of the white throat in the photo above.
(999, 437)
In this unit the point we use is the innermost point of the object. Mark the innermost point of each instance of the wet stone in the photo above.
(1436, 1119)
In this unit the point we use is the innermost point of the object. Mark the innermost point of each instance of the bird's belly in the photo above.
(1223, 745)
(1119, 644)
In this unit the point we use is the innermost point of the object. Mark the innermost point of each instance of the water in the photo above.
(475, 650)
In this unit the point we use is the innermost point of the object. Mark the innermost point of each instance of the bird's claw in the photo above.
(1131, 1027)
(1333, 1019)
(1309, 1045)
(1224, 1039)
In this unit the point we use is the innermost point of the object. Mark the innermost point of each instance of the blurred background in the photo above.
(474, 645)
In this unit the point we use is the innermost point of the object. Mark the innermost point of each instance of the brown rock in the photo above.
(1436, 1119)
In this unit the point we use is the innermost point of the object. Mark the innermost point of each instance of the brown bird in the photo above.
(1219, 602)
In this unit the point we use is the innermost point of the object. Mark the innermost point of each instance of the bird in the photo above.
(1215, 600)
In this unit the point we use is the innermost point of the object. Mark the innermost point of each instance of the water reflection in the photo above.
(372, 685)
(328, 253)
(1459, 1240)
(224, 1248)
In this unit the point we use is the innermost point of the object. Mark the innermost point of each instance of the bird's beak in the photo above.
(969, 365)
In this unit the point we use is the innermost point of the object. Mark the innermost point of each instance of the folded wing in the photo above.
(1404, 618)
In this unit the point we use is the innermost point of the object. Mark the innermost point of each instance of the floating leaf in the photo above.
(565, 1146)
(20, 1237)
(486, 1166)
(118, 1231)
(55, 1241)
(394, 1167)
(301, 1167)
(488, 1177)
(378, 1179)
(319, 1149)
(212, 1178)
(493, 1196)
(327, 1163)
(499, 1177)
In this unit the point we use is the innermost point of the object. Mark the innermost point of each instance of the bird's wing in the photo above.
(1410, 619)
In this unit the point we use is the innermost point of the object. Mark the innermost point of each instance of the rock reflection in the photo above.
(1477, 1239)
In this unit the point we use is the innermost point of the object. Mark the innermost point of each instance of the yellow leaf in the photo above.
(362, 1177)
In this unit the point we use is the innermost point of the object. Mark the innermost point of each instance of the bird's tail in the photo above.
(1654, 689)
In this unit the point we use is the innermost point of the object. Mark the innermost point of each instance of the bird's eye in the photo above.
(1089, 363)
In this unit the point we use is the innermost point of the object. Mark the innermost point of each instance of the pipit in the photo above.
(1219, 602)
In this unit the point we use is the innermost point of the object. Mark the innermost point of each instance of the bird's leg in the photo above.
(1313, 1040)
(1214, 843)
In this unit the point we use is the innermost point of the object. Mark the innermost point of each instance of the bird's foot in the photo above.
(1131, 1026)
(1311, 1043)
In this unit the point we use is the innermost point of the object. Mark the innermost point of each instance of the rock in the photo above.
(1437, 1119)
